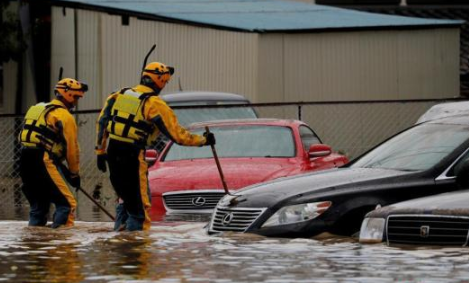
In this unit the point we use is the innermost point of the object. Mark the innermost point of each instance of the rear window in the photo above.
(193, 115)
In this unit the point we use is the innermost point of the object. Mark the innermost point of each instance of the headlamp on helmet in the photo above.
(68, 89)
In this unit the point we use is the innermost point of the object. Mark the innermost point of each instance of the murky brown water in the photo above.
(175, 252)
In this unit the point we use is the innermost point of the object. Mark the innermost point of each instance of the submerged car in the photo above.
(417, 162)
(186, 179)
(436, 220)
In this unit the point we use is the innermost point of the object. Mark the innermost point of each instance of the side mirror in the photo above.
(151, 155)
(319, 150)
(462, 173)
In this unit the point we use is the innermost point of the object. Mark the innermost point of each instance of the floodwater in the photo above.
(174, 252)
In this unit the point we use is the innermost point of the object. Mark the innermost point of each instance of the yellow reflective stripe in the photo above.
(63, 187)
(143, 178)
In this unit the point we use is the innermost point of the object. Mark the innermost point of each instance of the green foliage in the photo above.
(11, 44)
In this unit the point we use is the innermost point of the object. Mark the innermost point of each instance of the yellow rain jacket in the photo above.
(137, 116)
(52, 127)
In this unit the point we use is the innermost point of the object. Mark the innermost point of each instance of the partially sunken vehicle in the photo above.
(436, 220)
(417, 162)
(185, 180)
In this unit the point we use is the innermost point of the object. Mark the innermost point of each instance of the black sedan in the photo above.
(435, 220)
(417, 162)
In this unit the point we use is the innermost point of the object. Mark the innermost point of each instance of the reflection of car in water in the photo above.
(436, 220)
(186, 179)
(417, 162)
(187, 116)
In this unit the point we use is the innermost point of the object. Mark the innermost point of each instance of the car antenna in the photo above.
(179, 83)
(146, 57)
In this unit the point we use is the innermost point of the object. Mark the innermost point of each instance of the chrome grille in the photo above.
(193, 200)
(427, 229)
(233, 219)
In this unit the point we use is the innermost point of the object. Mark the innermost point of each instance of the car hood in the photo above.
(454, 203)
(270, 193)
(203, 173)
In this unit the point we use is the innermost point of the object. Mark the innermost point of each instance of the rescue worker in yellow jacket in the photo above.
(49, 137)
(131, 119)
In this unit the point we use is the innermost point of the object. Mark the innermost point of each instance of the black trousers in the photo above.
(44, 183)
(129, 178)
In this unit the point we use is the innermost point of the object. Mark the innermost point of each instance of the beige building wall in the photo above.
(110, 55)
(337, 66)
(361, 65)
(204, 59)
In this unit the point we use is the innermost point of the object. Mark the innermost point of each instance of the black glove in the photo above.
(75, 181)
(102, 163)
(209, 138)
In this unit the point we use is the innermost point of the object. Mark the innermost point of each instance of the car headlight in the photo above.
(372, 230)
(297, 213)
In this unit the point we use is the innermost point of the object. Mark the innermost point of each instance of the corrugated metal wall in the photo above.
(365, 65)
(111, 54)
(361, 65)
(204, 59)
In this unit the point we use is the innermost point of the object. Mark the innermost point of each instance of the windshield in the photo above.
(240, 141)
(188, 116)
(419, 148)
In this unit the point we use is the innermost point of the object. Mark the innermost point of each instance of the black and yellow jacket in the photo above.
(137, 116)
(52, 127)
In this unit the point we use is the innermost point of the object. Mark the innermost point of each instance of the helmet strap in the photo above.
(147, 81)
(64, 101)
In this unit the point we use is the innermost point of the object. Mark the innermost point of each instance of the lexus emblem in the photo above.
(198, 201)
(424, 231)
(227, 219)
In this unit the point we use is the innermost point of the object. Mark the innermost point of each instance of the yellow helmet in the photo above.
(69, 89)
(158, 73)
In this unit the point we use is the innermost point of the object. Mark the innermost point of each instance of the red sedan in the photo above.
(186, 179)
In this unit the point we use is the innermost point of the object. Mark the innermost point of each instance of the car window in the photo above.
(193, 115)
(308, 137)
(458, 164)
(418, 148)
(240, 141)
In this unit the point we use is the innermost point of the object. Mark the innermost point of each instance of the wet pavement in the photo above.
(175, 252)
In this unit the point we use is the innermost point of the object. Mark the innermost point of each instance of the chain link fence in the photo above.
(349, 127)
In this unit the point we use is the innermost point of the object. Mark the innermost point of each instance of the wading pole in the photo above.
(67, 174)
(215, 156)
(97, 204)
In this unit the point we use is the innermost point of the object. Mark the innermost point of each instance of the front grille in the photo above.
(427, 230)
(195, 200)
(233, 219)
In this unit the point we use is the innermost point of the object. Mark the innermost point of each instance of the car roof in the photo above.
(260, 121)
(461, 119)
(445, 110)
(196, 96)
